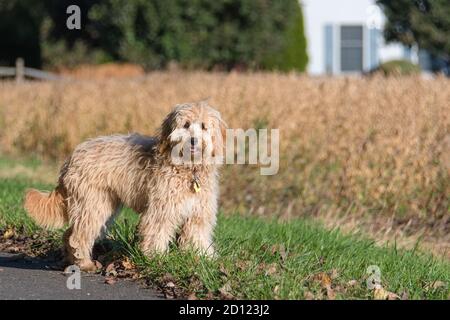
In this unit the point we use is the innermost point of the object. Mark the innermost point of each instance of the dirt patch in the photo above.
(42, 244)
(47, 247)
(427, 234)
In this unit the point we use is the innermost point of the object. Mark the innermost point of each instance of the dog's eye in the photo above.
(187, 125)
(203, 126)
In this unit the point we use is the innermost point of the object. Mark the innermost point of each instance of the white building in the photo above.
(345, 36)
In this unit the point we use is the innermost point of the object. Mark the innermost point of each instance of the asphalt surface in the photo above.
(24, 278)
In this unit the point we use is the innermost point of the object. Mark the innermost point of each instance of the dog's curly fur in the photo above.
(105, 173)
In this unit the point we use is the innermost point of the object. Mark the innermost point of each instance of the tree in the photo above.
(422, 22)
(19, 31)
(194, 33)
(219, 34)
(292, 55)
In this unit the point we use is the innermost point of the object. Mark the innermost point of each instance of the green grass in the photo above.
(6, 162)
(264, 259)
(12, 213)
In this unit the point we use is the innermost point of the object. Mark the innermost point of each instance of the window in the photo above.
(351, 48)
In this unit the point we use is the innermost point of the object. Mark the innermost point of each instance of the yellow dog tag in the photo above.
(196, 187)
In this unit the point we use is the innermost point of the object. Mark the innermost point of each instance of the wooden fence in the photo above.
(20, 72)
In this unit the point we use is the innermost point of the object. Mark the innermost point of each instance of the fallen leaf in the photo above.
(192, 296)
(435, 285)
(168, 278)
(8, 234)
(393, 296)
(126, 274)
(381, 294)
(309, 295)
(14, 249)
(226, 287)
(438, 284)
(110, 280)
(324, 279)
(272, 268)
(334, 274)
(352, 283)
(127, 264)
(283, 253)
(223, 270)
(195, 284)
(135, 276)
(274, 249)
(339, 289)
(405, 295)
(169, 295)
(280, 249)
(110, 267)
(225, 292)
(330, 293)
(276, 290)
(242, 265)
(110, 270)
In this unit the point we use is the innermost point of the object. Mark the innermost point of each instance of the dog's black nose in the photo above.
(194, 141)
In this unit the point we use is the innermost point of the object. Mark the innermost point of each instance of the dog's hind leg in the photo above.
(88, 216)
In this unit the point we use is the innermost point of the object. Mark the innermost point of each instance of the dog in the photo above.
(176, 199)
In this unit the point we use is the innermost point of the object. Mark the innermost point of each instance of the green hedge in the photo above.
(220, 34)
(292, 55)
(398, 67)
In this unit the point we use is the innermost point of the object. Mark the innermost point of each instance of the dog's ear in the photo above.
(167, 127)
(163, 145)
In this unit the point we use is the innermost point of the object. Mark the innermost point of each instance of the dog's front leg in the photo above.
(157, 228)
(197, 231)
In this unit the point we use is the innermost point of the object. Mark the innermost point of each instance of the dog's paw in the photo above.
(89, 265)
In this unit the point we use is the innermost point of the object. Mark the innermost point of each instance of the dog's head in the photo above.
(193, 133)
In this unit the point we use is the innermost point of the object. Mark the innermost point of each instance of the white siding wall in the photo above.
(319, 13)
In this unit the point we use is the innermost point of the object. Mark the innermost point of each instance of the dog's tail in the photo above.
(47, 209)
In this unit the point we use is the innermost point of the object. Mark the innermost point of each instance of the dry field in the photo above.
(362, 154)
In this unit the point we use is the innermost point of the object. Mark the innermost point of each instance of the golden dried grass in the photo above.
(349, 146)
(103, 71)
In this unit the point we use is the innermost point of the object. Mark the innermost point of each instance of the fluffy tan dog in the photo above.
(145, 174)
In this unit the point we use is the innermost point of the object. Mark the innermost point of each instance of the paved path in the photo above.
(31, 279)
